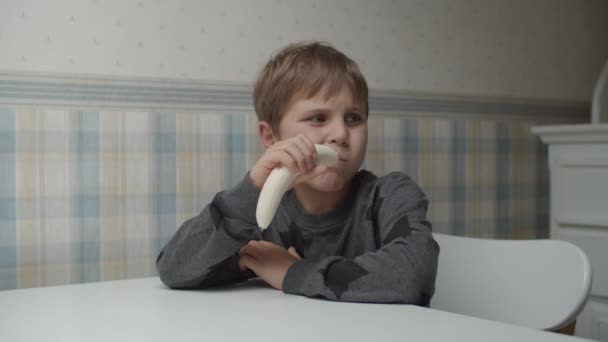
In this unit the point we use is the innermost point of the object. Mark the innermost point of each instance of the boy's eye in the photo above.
(317, 118)
(353, 118)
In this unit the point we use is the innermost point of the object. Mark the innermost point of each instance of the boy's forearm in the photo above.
(202, 252)
(399, 272)
(239, 201)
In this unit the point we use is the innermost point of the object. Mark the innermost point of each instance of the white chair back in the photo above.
(541, 284)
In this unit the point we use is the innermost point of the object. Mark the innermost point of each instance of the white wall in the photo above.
(549, 49)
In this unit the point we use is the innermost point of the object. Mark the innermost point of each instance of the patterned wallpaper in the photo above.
(90, 195)
(96, 174)
(550, 49)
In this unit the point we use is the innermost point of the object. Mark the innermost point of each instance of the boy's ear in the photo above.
(266, 134)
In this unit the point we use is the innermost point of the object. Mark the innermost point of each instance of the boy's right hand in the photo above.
(298, 154)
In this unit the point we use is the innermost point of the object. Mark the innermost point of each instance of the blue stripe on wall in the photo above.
(8, 215)
(86, 196)
(234, 164)
(411, 148)
(141, 92)
(542, 191)
(459, 214)
(503, 178)
(164, 177)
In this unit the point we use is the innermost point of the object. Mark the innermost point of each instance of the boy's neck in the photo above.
(318, 202)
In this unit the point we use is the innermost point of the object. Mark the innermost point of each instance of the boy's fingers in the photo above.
(308, 151)
(302, 152)
(309, 147)
(242, 263)
(316, 171)
(298, 157)
(306, 140)
(293, 252)
(247, 262)
(287, 160)
(251, 249)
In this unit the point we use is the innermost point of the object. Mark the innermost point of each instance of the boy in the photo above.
(340, 233)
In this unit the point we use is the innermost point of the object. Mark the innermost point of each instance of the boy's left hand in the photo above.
(268, 261)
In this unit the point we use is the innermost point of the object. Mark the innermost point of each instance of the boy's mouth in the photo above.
(341, 156)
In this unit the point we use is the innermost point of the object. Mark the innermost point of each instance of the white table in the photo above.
(144, 310)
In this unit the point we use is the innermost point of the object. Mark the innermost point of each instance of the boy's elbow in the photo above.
(419, 290)
(166, 272)
(422, 286)
(425, 290)
(162, 270)
(179, 276)
(168, 282)
(428, 273)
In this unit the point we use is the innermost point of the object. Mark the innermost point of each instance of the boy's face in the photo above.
(337, 122)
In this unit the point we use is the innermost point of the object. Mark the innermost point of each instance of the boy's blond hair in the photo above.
(300, 71)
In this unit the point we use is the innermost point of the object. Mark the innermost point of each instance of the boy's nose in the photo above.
(338, 133)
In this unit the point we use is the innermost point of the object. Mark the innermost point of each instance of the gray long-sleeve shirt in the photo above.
(376, 247)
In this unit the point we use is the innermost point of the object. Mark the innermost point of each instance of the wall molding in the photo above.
(139, 93)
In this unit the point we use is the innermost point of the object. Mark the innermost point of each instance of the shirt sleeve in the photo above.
(204, 250)
(401, 270)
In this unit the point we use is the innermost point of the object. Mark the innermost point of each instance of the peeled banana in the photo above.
(279, 181)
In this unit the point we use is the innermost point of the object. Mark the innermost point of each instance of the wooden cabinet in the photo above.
(578, 163)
